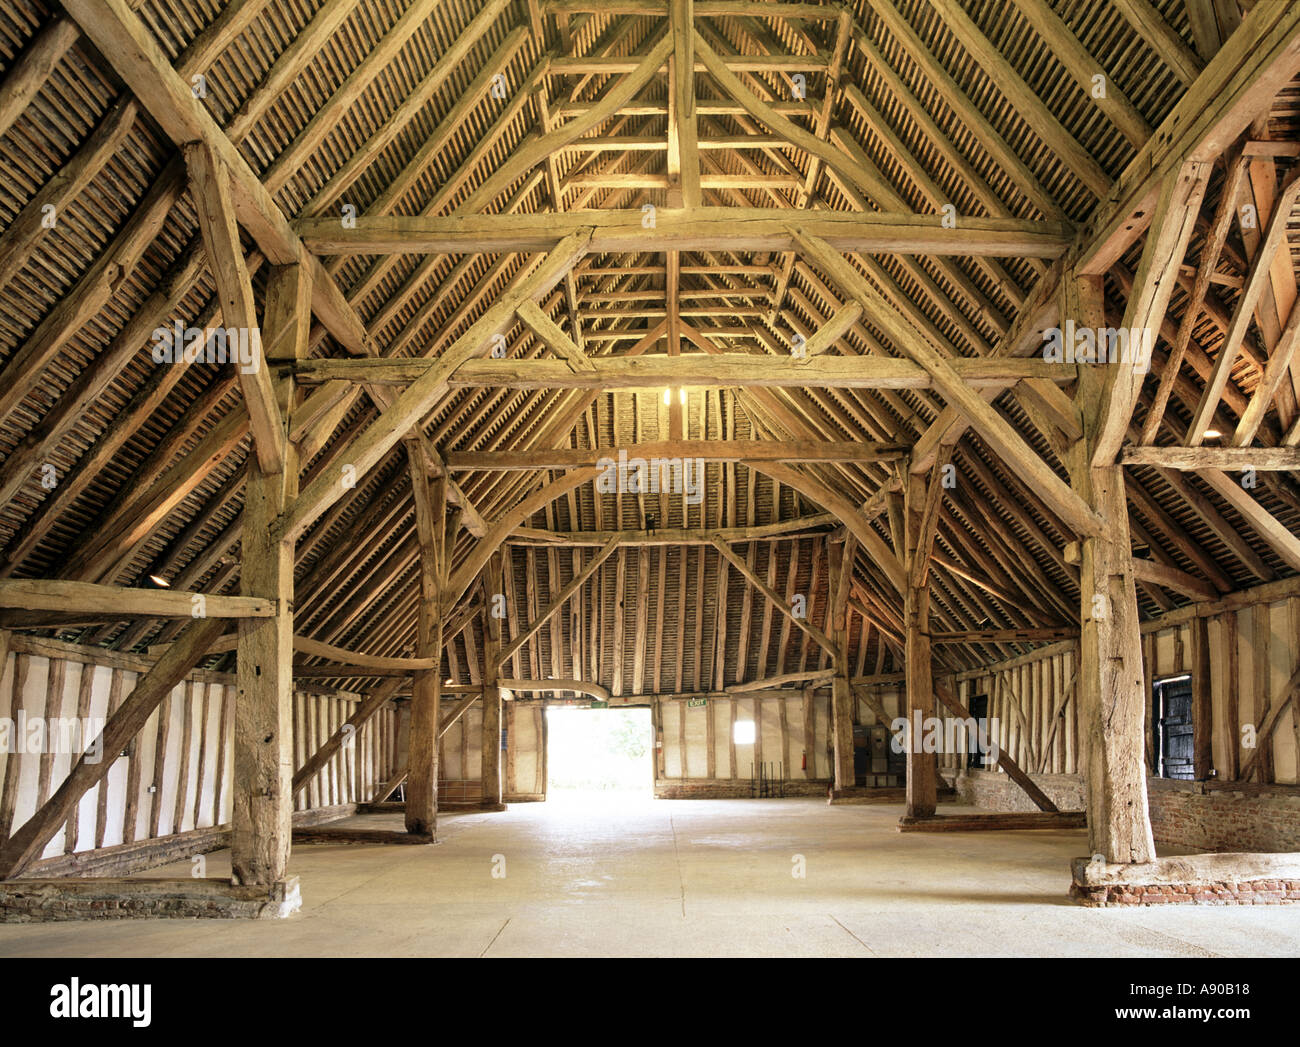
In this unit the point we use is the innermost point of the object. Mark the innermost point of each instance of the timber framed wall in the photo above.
(182, 798)
(523, 764)
(701, 759)
(1253, 659)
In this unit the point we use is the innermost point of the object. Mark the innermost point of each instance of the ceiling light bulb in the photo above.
(160, 581)
(1212, 434)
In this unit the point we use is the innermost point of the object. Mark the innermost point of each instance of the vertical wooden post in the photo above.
(809, 760)
(492, 695)
(544, 759)
(1262, 682)
(1110, 682)
(1202, 714)
(841, 569)
(426, 697)
(263, 734)
(1231, 699)
(922, 767)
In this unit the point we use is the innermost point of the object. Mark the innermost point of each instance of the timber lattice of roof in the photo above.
(428, 160)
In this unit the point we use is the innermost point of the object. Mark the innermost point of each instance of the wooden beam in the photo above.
(262, 794)
(595, 691)
(423, 396)
(478, 558)
(1207, 266)
(605, 458)
(780, 530)
(1226, 459)
(995, 430)
(1202, 710)
(1278, 366)
(1236, 86)
(773, 597)
(41, 594)
(450, 61)
(210, 188)
(696, 370)
(1161, 37)
(550, 334)
(564, 596)
(683, 132)
(135, 55)
(805, 677)
(31, 71)
(533, 152)
(1083, 67)
(702, 9)
(840, 557)
(1172, 578)
(1278, 535)
(1263, 737)
(721, 229)
(844, 510)
(1002, 635)
(1157, 275)
(1244, 310)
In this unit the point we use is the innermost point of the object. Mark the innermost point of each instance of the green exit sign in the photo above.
(600, 705)
(696, 703)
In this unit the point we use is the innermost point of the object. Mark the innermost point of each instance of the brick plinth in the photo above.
(1189, 879)
(104, 898)
(1250, 892)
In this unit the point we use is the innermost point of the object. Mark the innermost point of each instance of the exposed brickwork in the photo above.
(1252, 892)
(33, 901)
(1198, 816)
(1216, 818)
(999, 793)
(729, 788)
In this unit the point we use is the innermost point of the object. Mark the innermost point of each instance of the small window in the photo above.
(743, 734)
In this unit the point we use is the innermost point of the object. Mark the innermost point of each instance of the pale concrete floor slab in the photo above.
(685, 878)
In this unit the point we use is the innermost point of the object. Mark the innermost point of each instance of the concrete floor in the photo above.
(685, 878)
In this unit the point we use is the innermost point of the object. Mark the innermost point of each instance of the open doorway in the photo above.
(599, 754)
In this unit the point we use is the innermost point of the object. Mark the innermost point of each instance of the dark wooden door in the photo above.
(979, 709)
(1174, 711)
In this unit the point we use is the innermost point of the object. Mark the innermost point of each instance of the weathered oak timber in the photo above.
(1110, 685)
(40, 594)
(493, 582)
(685, 229)
(692, 371)
(422, 762)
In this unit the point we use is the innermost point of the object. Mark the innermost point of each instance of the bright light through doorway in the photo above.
(599, 753)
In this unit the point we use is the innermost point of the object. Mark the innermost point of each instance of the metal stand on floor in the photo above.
(766, 779)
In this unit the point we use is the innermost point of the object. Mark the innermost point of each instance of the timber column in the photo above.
(1112, 693)
(262, 808)
(493, 590)
(426, 698)
(922, 767)
(840, 554)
